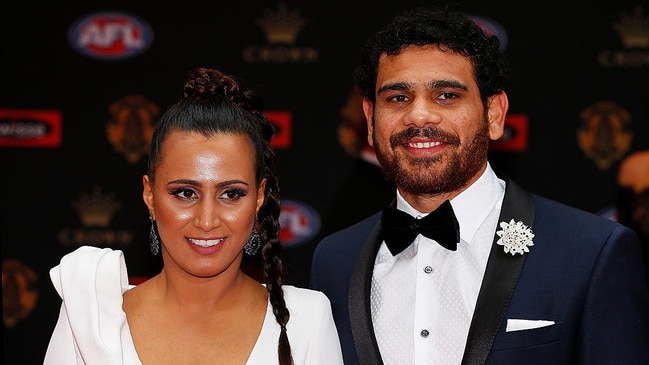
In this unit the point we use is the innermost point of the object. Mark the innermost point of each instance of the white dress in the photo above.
(92, 327)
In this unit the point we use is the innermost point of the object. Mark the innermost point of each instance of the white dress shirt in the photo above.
(422, 300)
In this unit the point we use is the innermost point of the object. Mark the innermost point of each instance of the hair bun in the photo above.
(208, 85)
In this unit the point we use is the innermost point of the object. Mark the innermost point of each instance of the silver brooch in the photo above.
(515, 237)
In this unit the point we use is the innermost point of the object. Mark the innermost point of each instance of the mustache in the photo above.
(406, 135)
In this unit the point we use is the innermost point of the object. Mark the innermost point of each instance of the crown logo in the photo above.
(281, 26)
(96, 209)
(633, 29)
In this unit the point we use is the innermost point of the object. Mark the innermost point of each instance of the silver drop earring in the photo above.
(154, 242)
(253, 243)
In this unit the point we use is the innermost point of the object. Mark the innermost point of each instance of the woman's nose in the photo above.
(207, 216)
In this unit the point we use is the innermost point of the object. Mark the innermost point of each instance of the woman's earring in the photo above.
(154, 242)
(253, 243)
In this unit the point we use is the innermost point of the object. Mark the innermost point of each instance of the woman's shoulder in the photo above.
(90, 267)
(297, 297)
(302, 292)
(91, 281)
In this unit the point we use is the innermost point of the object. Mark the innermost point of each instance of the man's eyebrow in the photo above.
(436, 84)
(394, 86)
(440, 84)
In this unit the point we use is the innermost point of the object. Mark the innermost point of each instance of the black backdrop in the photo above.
(580, 76)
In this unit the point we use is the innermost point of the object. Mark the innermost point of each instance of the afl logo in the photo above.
(299, 223)
(110, 35)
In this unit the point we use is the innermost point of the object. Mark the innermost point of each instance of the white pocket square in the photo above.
(526, 324)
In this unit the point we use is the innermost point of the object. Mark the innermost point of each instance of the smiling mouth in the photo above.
(205, 243)
(423, 144)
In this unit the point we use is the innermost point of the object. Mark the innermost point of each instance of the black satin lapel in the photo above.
(501, 276)
(367, 349)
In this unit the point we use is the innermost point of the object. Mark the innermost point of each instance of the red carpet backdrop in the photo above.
(82, 85)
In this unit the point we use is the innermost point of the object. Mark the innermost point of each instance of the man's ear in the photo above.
(496, 113)
(147, 195)
(368, 110)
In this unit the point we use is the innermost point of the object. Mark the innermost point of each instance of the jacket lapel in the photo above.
(501, 276)
(367, 349)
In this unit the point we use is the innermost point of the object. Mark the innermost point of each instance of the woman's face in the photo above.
(204, 199)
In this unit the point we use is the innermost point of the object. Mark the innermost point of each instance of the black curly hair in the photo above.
(445, 27)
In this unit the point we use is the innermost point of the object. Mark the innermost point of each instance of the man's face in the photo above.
(429, 126)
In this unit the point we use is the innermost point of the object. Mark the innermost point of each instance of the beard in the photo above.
(433, 175)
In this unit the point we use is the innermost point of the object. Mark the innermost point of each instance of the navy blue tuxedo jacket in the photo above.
(584, 272)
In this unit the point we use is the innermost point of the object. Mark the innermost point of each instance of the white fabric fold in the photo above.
(91, 283)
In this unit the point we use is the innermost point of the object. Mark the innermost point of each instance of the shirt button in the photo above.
(428, 269)
(424, 333)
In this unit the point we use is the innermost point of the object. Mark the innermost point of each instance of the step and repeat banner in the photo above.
(81, 88)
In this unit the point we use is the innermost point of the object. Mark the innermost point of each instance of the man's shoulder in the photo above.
(552, 216)
(558, 217)
(552, 209)
(361, 228)
(551, 206)
(350, 239)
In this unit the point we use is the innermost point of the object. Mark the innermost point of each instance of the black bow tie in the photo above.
(400, 228)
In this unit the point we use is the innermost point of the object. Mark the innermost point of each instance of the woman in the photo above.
(213, 196)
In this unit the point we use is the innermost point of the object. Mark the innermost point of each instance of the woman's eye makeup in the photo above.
(234, 193)
(184, 193)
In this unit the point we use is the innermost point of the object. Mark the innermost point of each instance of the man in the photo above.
(525, 280)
